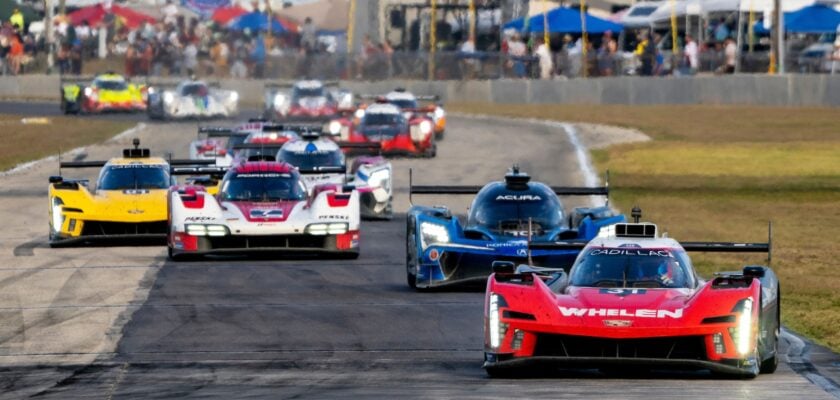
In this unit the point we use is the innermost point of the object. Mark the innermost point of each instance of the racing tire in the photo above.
(431, 152)
(411, 254)
(769, 365)
(440, 135)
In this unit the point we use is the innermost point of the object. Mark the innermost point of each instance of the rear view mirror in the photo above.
(56, 179)
(755, 271)
(503, 267)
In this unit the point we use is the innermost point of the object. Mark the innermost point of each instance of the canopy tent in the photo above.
(94, 14)
(564, 20)
(817, 18)
(223, 15)
(327, 15)
(683, 7)
(257, 22)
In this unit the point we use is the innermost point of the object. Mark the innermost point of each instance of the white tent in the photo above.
(704, 7)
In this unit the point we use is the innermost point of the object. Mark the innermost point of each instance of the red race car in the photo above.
(386, 124)
(632, 298)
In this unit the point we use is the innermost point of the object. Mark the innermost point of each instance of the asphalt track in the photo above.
(123, 322)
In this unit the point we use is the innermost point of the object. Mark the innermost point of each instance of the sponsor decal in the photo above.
(518, 197)
(198, 219)
(136, 211)
(630, 252)
(622, 292)
(344, 217)
(620, 312)
(270, 213)
(618, 323)
(136, 191)
(522, 252)
(263, 175)
(512, 243)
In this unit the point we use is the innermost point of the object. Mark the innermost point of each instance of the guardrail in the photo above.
(779, 90)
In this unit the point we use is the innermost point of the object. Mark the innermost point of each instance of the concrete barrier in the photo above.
(785, 90)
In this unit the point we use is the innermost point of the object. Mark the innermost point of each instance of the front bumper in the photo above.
(181, 243)
(734, 367)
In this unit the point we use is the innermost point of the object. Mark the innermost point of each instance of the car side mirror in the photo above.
(755, 271)
(56, 179)
(503, 267)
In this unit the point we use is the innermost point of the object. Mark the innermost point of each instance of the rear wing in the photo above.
(718, 247)
(474, 189)
(360, 145)
(294, 126)
(100, 164)
(199, 169)
(215, 131)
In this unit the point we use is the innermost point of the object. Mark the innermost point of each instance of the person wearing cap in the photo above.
(17, 19)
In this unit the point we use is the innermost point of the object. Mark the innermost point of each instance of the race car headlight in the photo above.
(493, 322)
(359, 114)
(439, 113)
(206, 230)
(744, 342)
(380, 178)
(151, 90)
(168, 97)
(425, 127)
(334, 128)
(234, 97)
(333, 228)
(88, 91)
(432, 233)
(57, 217)
(279, 99)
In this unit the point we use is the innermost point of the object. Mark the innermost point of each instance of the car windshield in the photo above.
(262, 187)
(312, 160)
(404, 104)
(111, 84)
(509, 213)
(194, 90)
(234, 140)
(136, 176)
(308, 92)
(382, 119)
(632, 267)
(642, 11)
(267, 150)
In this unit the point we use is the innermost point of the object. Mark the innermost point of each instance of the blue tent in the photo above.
(257, 22)
(564, 20)
(817, 18)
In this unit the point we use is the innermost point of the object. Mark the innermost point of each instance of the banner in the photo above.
(205, 8)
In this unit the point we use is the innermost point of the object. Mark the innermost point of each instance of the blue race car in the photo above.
(503, 219)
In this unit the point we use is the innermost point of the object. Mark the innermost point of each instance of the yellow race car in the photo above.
(105, 92)
(129, 201)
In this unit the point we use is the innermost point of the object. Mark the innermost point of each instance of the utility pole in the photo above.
(48, 6)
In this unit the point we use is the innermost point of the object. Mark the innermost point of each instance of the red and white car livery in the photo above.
(384, 123)
(411, 103)
(634, 299)
(263, 206)
(306, 100)
(220, 142)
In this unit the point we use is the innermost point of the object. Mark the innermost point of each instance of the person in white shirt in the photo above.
(543, 52)
(692, 54)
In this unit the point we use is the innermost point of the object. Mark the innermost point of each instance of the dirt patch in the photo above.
(597, 136)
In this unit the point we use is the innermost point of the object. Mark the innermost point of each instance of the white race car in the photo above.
(310, 100)
(220, 142)
(322, 161)
(263, 206)
(191, 99)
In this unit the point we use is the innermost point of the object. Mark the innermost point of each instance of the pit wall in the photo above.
(785, 90)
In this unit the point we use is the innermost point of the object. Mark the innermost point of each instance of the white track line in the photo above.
(29, 164)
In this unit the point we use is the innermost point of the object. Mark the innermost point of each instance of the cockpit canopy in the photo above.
(262, 186)
(198, 89)
(631, 266)
(134, 176)
(506, 210)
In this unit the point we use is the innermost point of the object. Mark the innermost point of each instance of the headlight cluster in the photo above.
(279, 99)
(332, 228)
(381, 178)
(168, 97)
(206, 230)
(439, 113)
(234, 97)
(57, 217)
(745, 328)
(426, 127)
(493, 322)
(88, 91)
(359, 114)
(432, 233)
(334, 128)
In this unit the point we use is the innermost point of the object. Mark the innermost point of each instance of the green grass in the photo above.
(26, 142)
(720, 174)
